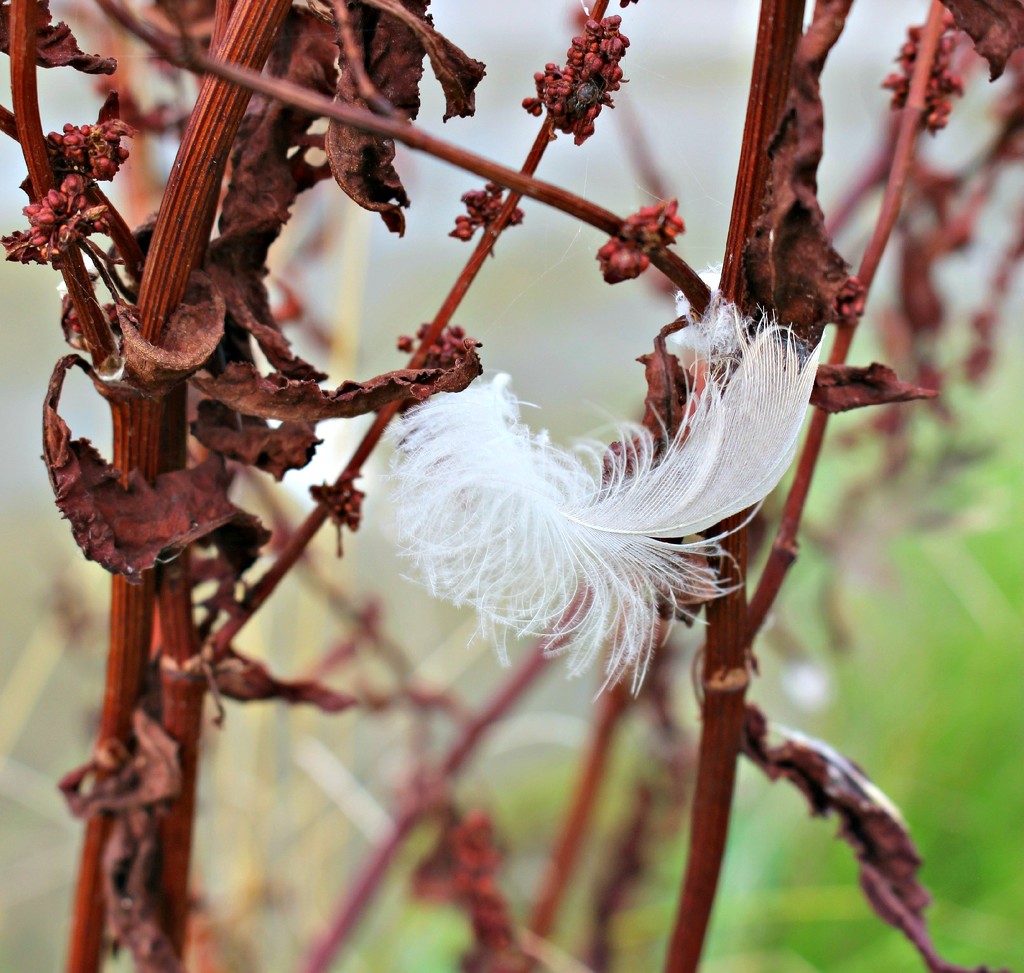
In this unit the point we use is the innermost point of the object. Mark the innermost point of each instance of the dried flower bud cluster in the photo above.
(850, 302)
(344, 503)
(94, 151)
(58, 221)
(624, 256)
(449, 347)
(942, 84)
(574, 95)
(473, 880)
(482, 207)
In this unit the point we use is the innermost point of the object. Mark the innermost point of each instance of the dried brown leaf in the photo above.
(268, 170)
(457, 73)
(995, 26)
(249, 440)
(243, 389)
(135, 794)
(56, 46)
(146, 777)
(869, 823)
(126, 529)
(246, 680)
(839, 388)
(131, 874)
(790, 262)
(393, 62)
(394, 35)
(665, 403)
(189, 337)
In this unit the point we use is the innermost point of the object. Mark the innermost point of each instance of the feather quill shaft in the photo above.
(572, 544)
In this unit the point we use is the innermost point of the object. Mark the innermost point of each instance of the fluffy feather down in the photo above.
(571, 544)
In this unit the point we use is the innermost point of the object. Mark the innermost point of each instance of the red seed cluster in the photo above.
(58, 221)
(343, 501)
(474, 884)
(447, 349)
(849, 304)
(574, 95)
(94, 151)
(624, 256)
(942, 84)
(482, 207)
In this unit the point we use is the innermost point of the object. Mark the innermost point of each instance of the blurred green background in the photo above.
(900, 643)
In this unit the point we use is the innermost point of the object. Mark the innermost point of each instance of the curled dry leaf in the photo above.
(242, 388)
(136, 795)
(127, 528)
(131, 875)
(665, 402)
(148, 776)
(189, 337)
(268, 171)
(839, 388)
(869, 823)
(995, 26)
(395, 34)
(56, 46)
(249, 440)
(790, 262)
(245, 680)
(456, 72)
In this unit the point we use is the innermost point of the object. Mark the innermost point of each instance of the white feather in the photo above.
(570, 544)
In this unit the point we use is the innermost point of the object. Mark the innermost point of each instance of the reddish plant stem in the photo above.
(725, 674)
(182, 696)
(120, 232)
(99, 339)
(130, 605)
(784, 547)
(178, 242)
(321, 957)
(9, 124)
(669, 263)
(575, 825)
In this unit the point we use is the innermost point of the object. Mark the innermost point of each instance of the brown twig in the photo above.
(784, 547)
(725, 676)
(299, 540)
(669, 263)
(350, 910)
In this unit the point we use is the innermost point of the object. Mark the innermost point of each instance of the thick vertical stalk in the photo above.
(179, 240)
(182, 229)
(130, 605)
(725, 673)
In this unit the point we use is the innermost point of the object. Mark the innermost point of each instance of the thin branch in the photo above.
(575, 825)
(352, 906)
(299, 540)
(669, 263)
(784, 547)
